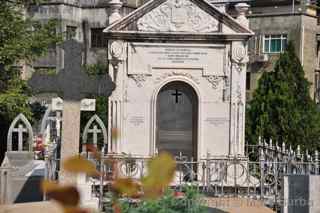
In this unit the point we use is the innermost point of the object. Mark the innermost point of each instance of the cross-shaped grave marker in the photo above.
(20, 130)
(95, 131)
(72, 84)
(97, 128)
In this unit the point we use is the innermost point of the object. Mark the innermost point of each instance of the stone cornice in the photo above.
(81, 6)
(156, 36)
(279, 14)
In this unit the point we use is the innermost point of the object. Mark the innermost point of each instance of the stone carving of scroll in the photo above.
(139, 79)
(117, 49)
(20, 125)
(214, 80)
(239, 56)
(174, 73)
(178, 16)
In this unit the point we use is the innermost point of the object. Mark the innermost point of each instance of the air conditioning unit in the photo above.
(262, 58)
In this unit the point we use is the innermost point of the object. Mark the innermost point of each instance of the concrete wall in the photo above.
(83, 15)
(300, 28)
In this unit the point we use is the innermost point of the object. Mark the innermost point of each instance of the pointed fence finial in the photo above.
(283, 147)
(270, 144)
(278, 147)
(307, 154)
(259, 141)
(291, 150)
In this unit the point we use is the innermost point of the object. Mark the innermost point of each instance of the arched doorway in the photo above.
(177, 119)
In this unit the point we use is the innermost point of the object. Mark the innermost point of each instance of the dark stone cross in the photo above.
(72, 84)
(177, 94)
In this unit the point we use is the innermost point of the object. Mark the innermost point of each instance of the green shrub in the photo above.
(168, 203)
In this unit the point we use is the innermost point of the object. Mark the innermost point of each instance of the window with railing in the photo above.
(275, 43)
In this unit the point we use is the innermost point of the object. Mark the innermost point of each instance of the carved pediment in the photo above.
(178, 16)
(171, 19)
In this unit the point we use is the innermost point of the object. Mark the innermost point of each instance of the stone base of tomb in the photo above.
(88, 200)
(20, 178)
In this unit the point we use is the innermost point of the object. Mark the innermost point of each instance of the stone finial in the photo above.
(242, 9)
(278, 147)
(316, 155)
(298, 150)
(283, 147)
(114, 6)
(307, 154)
(260, 141)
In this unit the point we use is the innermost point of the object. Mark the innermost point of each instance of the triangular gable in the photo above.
(180, 16)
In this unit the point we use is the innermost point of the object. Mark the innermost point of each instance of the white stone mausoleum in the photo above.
(179, 68)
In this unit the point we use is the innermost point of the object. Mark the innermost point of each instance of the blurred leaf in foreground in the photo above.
(160, 174)
(126, 186)
(65, 195)
(79, 164)
(76, 210)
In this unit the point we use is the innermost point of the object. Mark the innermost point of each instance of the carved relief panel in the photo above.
(178, 16)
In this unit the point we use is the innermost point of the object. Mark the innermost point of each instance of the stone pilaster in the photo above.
(239, 59)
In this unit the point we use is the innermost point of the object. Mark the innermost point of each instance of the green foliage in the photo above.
(37, 110)
(21, 41)
(168, 203)
(101, 101)
(13, 101)
(281, 108)
(96, 69)
(46, 71)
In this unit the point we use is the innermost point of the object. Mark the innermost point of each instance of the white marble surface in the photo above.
(216, 70)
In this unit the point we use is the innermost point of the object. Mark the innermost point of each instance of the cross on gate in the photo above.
(20, 130)
(72, 84)
(177, 94)
(95, 131)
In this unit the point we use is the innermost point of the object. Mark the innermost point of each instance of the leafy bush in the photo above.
(190, 202)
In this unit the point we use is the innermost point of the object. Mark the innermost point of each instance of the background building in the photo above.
(83, 20)
(275, 23)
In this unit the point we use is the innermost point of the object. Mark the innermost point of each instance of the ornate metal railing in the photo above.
(215, 176)
(259, 178)
(258, 174)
